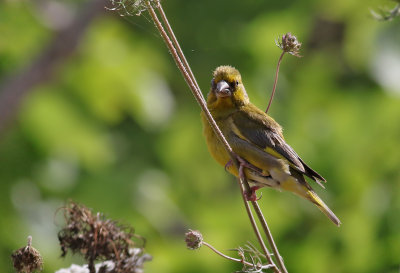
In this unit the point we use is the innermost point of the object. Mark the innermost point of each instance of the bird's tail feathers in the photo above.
(304, 190)
(313, 197)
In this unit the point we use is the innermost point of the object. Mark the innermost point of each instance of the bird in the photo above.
(257, 140)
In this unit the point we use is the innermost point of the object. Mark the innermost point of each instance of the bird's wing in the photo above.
(261, 130)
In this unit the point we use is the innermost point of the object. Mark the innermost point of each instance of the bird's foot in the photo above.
(251, 196)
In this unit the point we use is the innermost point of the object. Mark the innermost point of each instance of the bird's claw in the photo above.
(251, 196)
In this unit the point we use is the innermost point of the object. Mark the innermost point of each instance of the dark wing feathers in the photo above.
(285, 150)
(311, 173)
(257, 128)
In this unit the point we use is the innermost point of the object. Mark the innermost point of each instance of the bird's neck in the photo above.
(222, 108)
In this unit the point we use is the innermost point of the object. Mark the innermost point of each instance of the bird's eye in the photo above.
(237, 83)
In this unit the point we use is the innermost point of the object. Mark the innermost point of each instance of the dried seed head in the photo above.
(131, 7)
(289, 43)
(193, 239)
(98, 238)
(27, 259)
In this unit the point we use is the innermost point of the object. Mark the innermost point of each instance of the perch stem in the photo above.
(195, 91)
(268, 233)
(242, 181)
(177, 46)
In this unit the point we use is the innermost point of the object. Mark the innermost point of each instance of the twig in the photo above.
(226, 256)
(275, 81)
(244, 187)
(196, 92)
(184, 68)
(288, 43)
(177, 46)
(268, 233)
(252, 220)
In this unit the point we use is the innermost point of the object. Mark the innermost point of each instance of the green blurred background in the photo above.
(115, 127)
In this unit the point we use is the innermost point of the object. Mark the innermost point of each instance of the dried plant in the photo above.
(130, 7)
(27, 259)
(250, 257)
(193, 239)
(288, 43)
(97, 238)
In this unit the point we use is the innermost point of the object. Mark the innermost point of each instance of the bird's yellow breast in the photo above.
(214, 145)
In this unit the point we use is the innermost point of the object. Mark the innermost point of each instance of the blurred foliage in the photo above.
(117, 130)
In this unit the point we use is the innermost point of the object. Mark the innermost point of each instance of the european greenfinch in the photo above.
(257, 140)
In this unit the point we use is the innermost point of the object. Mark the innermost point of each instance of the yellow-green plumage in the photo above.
(256, 138)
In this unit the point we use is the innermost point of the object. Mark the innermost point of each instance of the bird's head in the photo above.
(227, 90)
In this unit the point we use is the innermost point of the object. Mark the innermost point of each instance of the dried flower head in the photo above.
(131, 7)
(289, 43)
(27, 259)
(98, 238)
(193, 239)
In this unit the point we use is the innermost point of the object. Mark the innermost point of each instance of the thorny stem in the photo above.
(226, 256)
(275, 81)
(184, 68)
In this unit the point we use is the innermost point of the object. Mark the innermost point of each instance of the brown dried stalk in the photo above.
(288, 43)
(194, 240)
(275, 81)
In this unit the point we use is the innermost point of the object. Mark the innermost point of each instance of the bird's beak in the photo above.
(223, 89)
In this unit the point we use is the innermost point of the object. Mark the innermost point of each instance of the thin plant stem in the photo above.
(241, 180)
(268, 233)
(177, 46)
(196, 92)
(275, 81)
(199, 98)
(226, 256)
